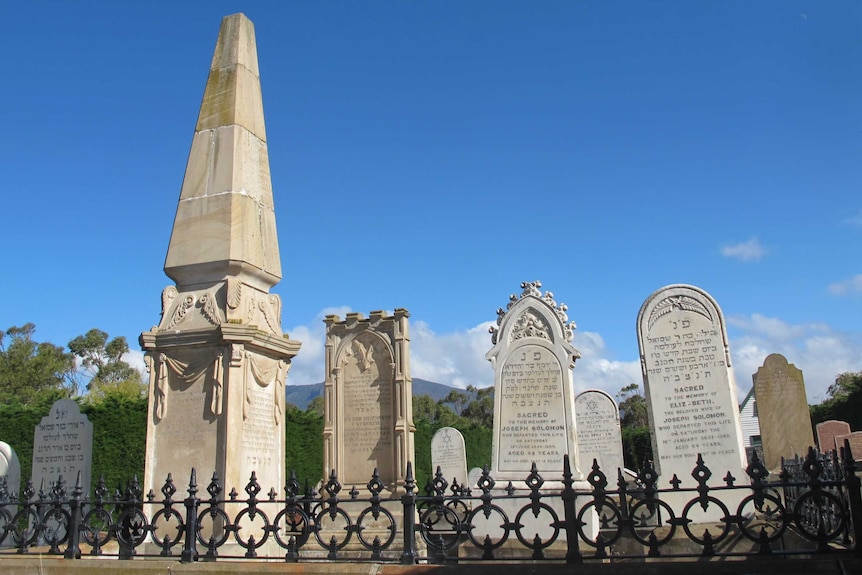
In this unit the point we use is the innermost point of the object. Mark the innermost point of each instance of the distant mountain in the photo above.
(301, 395)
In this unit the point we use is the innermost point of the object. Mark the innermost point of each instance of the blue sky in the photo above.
(434, 155)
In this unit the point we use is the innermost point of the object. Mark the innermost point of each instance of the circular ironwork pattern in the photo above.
(392, 528)
(132, 527)
(725, 526)
(537, 542)
(96, 527)
(449, 536)
(28, 535)
(246, 543)
(295, 523)
(53, 521)
(333, 513)
(614, 519)
(471, 523)
(166, 515)
(812, 511)
(5, 519)
(655, 503)
(214, 513)
(766, 513)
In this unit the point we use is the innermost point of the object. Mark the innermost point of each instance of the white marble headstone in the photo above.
(63, 446)
(449, 454)
(599, 436)
(691, 395)
(10, 468)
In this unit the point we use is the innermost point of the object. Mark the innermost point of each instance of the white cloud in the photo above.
(751, 250)
(818, 350)
(308, 366)
(848, 286)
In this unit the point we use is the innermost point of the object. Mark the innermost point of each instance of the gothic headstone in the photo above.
(449, 454)
(599, 436)
(827, 431)
(690, 391)
(534, 403)
(63, 446)
(10, 468)
(218, 359)
(368, 398)
(782, 410)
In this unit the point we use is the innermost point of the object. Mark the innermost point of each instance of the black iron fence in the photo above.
(813, 507)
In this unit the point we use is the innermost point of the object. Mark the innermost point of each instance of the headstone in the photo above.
(599, 435)
(449, 455)
(10, 469)
(63, 446)
(827, 431)
(782, 410)
(368, 398)
(218, 359)
(534, 403)
(690, 391)
(473, 477)
(855, 439)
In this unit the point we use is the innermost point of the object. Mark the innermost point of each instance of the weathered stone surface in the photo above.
(63, 446)
(782, 410)
(534, 412)
(691, 395)
(449, 455)
(218, 359)
(827, 431)
(599, 436)
(368, 398)
(855, 439)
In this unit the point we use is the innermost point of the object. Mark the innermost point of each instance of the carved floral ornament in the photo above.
(531, 323)
(266, 308)
(681, 302)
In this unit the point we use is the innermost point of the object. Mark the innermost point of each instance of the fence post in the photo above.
(408, 502)
(851, 480)
(190, 552)
(573, 551)
(73, 549)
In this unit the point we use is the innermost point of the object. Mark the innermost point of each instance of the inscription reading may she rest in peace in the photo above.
(533, 422)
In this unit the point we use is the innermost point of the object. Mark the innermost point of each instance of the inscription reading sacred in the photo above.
(686, 368)
(532, 420)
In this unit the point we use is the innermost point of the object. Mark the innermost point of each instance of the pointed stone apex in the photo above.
(233, 93)
(225, 222)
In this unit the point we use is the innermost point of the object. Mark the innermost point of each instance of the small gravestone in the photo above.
(690, 391)
(63, 446)
(599, 436)
(782, 411)
(10, 469)
(449, 455)
(534, 403)
(368, 398)
(855, 439)
(473, 477)
(827, 431)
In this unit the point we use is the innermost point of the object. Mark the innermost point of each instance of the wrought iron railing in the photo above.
(814, 506)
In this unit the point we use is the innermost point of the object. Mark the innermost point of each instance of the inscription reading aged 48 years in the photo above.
(533, 419)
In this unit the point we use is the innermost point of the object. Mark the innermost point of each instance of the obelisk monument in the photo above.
(218, 359)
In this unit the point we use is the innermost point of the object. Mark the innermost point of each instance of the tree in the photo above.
(480, 411)
(634, 421)
(316, 406)
(457, 400)
(32, 372)
(103, 362)
(844, 401)
(633, 407)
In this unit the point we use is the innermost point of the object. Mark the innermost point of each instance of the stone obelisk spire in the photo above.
(218, 359)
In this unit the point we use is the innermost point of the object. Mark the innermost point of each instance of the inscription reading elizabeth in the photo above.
(686, 358)
(532, 415)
